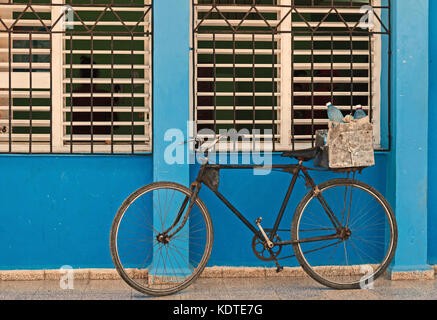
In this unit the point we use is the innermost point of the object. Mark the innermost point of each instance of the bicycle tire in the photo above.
(320, 273)
(128, 275)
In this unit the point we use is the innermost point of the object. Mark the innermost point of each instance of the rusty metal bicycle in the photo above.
(343, 232)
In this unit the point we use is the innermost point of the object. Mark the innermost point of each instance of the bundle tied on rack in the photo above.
(350, 144)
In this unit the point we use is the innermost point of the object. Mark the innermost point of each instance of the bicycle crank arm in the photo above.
(266, 238)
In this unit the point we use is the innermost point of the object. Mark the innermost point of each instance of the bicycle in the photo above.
(175, 232)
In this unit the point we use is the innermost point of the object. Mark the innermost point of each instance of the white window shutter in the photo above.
(319, 58)
(25, 80)
(36, 82)
(115, 67)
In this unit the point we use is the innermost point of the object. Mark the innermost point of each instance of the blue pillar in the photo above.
(171, 83)
(408, 162)
(171, 89)
(432, 148)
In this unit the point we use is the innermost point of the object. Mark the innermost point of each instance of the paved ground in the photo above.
(220, 289)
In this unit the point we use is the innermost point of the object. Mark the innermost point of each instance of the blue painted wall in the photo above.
(432, 170)
(58, 210)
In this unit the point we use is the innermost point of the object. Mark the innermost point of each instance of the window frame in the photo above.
(376, 85)
(54, 80)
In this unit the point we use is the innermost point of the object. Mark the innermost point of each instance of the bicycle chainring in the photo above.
(261, 251)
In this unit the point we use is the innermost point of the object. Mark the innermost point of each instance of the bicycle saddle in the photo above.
(304, 155)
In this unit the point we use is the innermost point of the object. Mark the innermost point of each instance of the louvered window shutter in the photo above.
(272, 66)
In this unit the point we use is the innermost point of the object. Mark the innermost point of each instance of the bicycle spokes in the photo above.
(364, 238)
(149, 258)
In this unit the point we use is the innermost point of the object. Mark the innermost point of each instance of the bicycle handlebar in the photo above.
(209, 147)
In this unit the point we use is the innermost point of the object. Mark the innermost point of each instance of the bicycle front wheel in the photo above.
(353, 246)
(146, 255)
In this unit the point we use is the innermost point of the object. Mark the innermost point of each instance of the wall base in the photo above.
(413, 273)
(211, 272)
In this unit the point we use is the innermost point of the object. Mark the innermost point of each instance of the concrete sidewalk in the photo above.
(278, 288)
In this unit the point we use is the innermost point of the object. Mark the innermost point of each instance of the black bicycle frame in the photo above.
(208, 174)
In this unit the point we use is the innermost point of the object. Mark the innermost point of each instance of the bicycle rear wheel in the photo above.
(150, 260)
(367, 234)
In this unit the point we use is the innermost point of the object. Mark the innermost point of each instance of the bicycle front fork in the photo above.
(165, 237)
